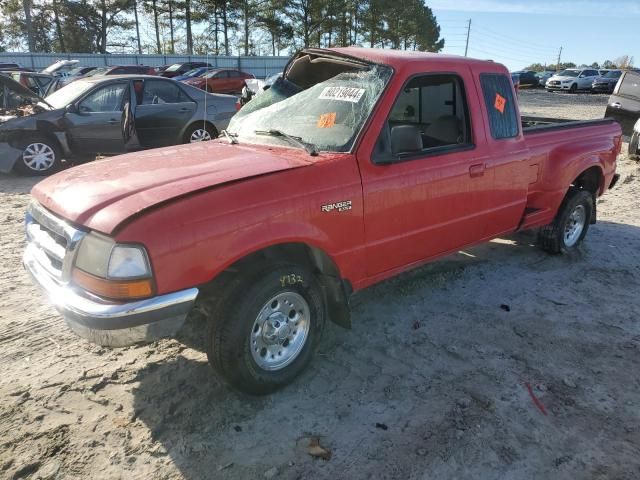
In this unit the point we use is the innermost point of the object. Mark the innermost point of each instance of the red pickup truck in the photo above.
(355, 166)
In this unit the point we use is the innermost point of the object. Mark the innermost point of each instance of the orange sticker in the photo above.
(500, 103)
(327, 120)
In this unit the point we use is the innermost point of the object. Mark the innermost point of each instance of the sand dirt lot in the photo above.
(432, 382)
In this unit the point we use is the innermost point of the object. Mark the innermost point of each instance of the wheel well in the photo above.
(336, 289)
(42, 132)
(589, 180)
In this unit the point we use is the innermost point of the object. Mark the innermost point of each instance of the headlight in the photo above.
(112, 270)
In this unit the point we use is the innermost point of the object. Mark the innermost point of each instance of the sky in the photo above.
(518, 33)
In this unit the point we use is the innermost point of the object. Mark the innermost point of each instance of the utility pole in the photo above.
(135, 11)
(466, 47)
(559, 55)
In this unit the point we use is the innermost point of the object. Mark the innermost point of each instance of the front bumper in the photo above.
(558, 87)
(108, 323)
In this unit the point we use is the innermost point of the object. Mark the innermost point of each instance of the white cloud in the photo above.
(597, 8)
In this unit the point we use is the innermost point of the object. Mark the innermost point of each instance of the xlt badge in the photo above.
(339, 206)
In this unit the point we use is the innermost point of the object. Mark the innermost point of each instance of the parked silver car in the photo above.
(103, 115)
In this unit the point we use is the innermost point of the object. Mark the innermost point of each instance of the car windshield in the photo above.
(75, 71)
(66, 95)
(612, 74)
(174, 68)
(328, 115)
(97, 71)
(569, 73)
(195, 72)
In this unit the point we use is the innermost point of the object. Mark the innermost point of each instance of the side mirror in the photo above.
(71, 108)
(405, 139)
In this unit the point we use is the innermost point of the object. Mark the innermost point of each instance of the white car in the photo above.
(573, 79)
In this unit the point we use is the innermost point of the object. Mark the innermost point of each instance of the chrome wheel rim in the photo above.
(199, 135)
(38, 156)
(575, 225)
(280, 331)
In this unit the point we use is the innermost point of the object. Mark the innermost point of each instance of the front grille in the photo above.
(554, 83)
(53, 240)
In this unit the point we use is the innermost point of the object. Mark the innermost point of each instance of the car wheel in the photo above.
(570, 225)
(634, 146)
(263, 332)
(199, 132)
(40, 156)
(574, 88)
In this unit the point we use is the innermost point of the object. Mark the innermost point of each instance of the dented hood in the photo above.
(103, 194)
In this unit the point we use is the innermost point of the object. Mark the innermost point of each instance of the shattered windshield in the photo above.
(328, 115)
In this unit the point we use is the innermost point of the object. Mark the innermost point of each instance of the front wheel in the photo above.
(574, 88)
(40, 156)
(263, 332)
(570, 225)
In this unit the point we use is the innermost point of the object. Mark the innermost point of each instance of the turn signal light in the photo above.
(113, 289)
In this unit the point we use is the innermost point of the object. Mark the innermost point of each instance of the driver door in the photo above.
(95, 124)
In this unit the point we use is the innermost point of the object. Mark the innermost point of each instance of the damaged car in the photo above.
(103, 115)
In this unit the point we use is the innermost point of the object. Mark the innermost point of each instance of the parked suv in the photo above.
(572, 79)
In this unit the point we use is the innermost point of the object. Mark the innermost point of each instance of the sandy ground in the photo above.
(432, 382)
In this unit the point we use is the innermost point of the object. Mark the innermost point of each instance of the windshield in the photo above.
(66, 95)
(612, 74)
(195, 72)
(329, 115)
(97, 71)
(76, 71)
(568, 73)
(210, 74)
(174, 68)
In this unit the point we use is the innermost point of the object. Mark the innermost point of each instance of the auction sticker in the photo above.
(345, 94)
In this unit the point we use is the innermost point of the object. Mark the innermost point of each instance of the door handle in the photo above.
(184, 109)
(476, 170)
(616, 104)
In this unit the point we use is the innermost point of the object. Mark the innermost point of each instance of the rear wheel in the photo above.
(40, 156)
(570, 225)
(200, 132)
(262, 333)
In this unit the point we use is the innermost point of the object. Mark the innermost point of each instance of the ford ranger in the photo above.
(355, 166)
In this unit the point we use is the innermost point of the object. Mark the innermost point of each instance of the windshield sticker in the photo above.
(345, 94)
(327, 120)
(500, 103)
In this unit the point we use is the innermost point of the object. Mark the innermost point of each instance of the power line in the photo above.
(530, 45)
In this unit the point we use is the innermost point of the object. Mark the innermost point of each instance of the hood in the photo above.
(21, 90)
(103, 194)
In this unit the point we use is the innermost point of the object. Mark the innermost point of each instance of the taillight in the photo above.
(238, 104)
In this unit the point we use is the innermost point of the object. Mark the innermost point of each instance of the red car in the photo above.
(178, 69)
(373, 163)
(221, 81)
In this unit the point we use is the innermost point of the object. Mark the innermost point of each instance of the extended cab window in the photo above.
(430, 115)
(498, 97)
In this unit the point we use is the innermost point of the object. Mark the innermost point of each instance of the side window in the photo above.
(429, 115)
(105, 99)
(233, 74)
(498, 98)
(159, 92)
(118, 71)
(630, 85)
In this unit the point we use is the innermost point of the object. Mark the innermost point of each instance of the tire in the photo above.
(634, 146)
(574, 88)
(264, 330)
(40, 156)
(204, 132)
(571, 224)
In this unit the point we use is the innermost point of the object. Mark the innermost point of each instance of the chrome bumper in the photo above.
(113, 324)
